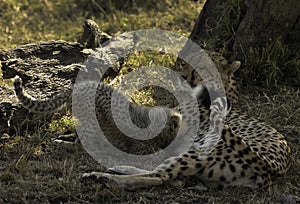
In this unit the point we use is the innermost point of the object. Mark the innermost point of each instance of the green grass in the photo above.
(274, 66)
(62, 124)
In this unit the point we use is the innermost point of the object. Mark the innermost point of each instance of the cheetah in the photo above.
(92, 36)
(249, 153)
(240, 151)
(139, 116)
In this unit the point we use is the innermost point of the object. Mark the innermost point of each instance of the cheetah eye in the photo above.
(184, 77)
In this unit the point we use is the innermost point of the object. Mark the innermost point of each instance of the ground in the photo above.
(33, 169)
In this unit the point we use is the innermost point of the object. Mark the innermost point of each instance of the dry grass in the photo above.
(36, 170)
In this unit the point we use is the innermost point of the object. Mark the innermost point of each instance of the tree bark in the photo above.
(266, 21)
(254, 23)
(46, 69)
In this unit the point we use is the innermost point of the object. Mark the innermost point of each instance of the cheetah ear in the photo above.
(235, 65)
(174, 122)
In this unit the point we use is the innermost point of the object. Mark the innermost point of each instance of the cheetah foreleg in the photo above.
(123, 181)
(127, 170)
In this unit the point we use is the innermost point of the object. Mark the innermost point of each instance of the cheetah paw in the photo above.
(66, 139)
(104, 179)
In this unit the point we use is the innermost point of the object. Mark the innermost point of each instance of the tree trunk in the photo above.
(239, 26)
(266, 21)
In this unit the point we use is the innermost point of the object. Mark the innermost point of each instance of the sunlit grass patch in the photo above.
(62, 124)
(149, 95)
(52, 20)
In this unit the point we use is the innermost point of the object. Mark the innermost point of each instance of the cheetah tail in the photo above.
(48, 105)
